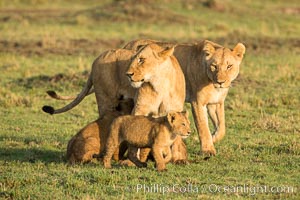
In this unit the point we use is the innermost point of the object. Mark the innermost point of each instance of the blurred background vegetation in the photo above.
(64, 24)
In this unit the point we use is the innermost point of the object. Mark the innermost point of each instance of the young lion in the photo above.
(92, 138)
(140, 132)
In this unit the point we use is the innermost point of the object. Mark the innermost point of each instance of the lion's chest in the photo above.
(217, 95)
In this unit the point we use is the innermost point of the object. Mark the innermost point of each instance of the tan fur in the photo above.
(209, 70)
(162, 80)
(109, 80)
(91, 140)
(141, 131)
(162, 90)
(108, 76)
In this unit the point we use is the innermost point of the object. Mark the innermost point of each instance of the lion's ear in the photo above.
(171, 117)
(186, 113)
(239, 50)
(139, 47)
(208, 49)
(166, 52)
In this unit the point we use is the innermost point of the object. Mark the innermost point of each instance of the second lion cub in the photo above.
(140, 132)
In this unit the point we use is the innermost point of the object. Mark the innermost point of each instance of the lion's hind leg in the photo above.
(132, 155)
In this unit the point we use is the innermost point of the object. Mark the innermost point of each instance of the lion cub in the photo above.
(91, 140)
(140, 131)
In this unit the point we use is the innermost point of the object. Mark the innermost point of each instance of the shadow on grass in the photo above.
(45, 80)
(31, 155)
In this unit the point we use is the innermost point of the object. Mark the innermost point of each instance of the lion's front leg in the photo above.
(201, 121)
(144, 152)
(212, 111)
(179, 151)
(157, 152)
(167, 153)
(220, 132)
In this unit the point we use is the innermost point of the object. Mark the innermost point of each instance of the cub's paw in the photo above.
(143, 165)
(107, 166)
(127, 163)
(162, 170)
(181, 162)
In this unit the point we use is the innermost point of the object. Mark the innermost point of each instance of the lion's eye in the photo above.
(213, 67)
(229, 67)
(183, 124)
(141, 60)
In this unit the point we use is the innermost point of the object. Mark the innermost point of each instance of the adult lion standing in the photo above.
(163, 89)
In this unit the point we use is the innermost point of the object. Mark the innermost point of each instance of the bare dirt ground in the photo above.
(84, 46)
(69, 47)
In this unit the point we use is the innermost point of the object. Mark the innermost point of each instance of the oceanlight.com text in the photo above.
(251, 190)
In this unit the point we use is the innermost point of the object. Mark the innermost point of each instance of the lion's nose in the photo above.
(220, 82)
(129, 74)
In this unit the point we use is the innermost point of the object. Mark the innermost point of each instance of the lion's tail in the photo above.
(56, 96)
(84, 92)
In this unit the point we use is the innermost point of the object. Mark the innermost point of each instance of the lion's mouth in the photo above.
(184, 136)
(218, 85)
(136, 84)
(134, 81)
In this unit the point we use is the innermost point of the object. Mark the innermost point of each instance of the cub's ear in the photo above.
(239, 50)
(208, 49)
(166, 52)
(171, 117)
(139, 47)
(186, 113)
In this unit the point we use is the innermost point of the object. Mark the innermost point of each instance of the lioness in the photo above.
(209, 69)
(91, 140)
(158, 71)
(217, 68)
(161, 84)
(163, 88)
(109, 80)
(141, 131)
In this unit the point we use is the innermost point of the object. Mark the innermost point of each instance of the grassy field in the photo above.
(51, 44)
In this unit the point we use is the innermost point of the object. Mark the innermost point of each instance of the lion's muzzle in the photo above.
(130, 76)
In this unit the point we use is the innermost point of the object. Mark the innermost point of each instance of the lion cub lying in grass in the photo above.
(140, 132)
(91, 140)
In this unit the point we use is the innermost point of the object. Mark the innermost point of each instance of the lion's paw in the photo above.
(181, 162)
(209, 152)
(127, 163)
(142, 165)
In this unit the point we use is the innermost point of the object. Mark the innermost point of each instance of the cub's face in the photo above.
(180, 123)
(223, 64)
(146, 63)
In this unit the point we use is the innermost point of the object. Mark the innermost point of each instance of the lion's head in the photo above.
(146, 62)
(179, 123)
(222, 64)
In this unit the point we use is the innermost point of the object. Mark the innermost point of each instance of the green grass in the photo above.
(51, 45)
